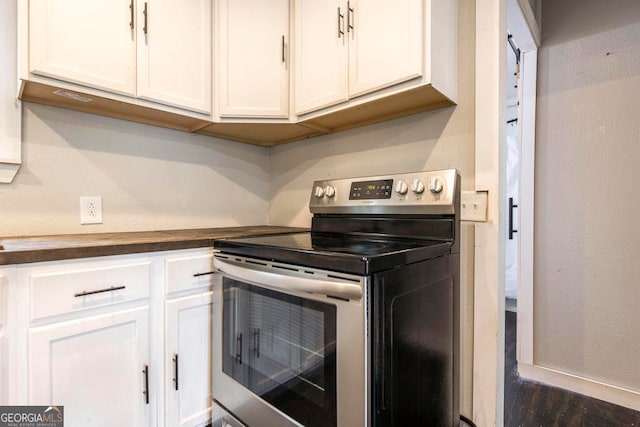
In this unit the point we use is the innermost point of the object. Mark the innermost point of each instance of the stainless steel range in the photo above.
(355, 323)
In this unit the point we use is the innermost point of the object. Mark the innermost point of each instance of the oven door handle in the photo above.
(285, 281)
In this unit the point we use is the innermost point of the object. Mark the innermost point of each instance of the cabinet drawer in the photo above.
(192, 271)
(75, 289)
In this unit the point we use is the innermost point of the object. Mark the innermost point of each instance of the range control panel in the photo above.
(416, 192)
(371, 190)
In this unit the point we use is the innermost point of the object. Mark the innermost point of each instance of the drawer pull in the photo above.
(99, 291)
(204, 274)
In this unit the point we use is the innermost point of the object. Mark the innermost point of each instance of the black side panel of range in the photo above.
(415, 340)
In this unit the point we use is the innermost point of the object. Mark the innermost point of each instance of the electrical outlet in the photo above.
(91, 210)
(474, 206)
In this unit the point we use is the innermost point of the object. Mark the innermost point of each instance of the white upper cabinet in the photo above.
(86, 42)
(157, 50)
(321, 50)
(232, 68)
(349, 48)
(385, 43)
(253, 58)
(174, 52)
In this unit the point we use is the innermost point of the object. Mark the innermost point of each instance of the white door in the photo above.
(188, 360)
(321, 51)
(526, 36)
(93, 367)
(512, 181)
(174, 52)
(254, 58)
(385, 43)
(91, 43)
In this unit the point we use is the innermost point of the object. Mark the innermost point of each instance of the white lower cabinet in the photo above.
(5, 274)
(118, 341)
(96, 367)
(83, 331)
(3, 370)
(187, 338)
(188, 360)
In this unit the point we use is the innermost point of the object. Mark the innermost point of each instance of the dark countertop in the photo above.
(19, 250)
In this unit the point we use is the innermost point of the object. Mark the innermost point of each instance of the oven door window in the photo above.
(282, 348)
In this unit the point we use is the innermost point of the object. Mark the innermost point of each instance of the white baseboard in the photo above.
(607, 392)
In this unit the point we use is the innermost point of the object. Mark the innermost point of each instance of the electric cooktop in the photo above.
(337, 252)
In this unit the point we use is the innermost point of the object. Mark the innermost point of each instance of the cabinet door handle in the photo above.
(99, 291)
(204, 274)
(340, 24)
(175, 370)
(283, 57)
(145, 371)
(132, 16)
(350, 17)
(145, 12)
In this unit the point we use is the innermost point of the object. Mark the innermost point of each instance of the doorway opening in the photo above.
(522, 41)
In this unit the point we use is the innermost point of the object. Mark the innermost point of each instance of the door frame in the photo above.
(490, 175)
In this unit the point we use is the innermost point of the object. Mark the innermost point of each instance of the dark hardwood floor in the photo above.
(532, 404)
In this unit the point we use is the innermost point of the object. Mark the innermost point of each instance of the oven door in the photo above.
(289, 345)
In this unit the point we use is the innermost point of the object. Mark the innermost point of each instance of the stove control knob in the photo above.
(435, 185)
(417, 187)
(319, 192)
(329, 191)
(402, 188)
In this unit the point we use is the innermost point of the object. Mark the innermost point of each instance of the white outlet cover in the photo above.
(91, 210)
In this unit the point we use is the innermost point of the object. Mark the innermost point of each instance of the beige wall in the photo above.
(149, 178)
(587, 235)
(434, 140)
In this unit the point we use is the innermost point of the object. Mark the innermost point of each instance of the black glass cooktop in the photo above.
(338, 252)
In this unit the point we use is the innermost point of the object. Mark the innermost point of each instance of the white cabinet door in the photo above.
(86, 42)
(94, 367)
(253, 59)
(386, 43)
(321, 49)
(188, 360)
(3, 354)
(174, 52)
(3, 369)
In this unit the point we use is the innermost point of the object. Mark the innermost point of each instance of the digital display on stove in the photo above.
(368, 190)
